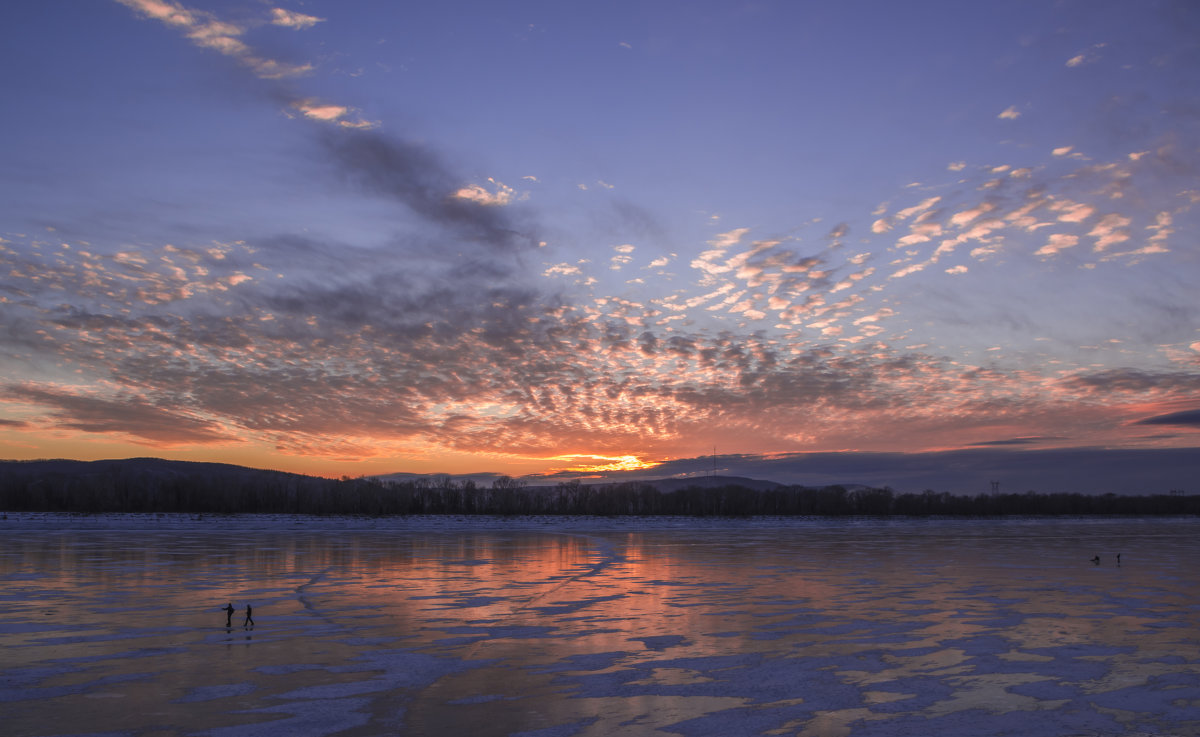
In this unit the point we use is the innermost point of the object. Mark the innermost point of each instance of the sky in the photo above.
(578, 238)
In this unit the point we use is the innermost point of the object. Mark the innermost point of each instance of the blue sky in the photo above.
(527, 237)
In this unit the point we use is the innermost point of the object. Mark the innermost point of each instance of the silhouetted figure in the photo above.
(228, 614)
(1096, 559)
(1118, 560)
(249, 620)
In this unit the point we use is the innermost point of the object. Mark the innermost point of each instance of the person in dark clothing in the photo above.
(249, 620)
(228, 614)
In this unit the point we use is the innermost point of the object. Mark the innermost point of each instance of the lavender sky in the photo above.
(522, 237)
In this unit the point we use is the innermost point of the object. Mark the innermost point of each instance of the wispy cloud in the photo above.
(292, 19)
(1088, 56)
(1110, 231)
(1057, 242)
(124, 413)
(208, 31)
(1186, 418)
(418, 178)
(498, 196)
(340, 115)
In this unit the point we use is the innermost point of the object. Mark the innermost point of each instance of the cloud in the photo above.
(1161, 227)
(292, 19)
(1089, 56)
(1110, 231)
(1186, 418)
(1072, 212)
(962, 218)
(1013, 441)
(1131, 382)
(563, 269)
(1057, 242)
(330, 113)
(618, 261)
(121, 413)
(207, 31)
(501, 194)
(920, 234)
(909, 270)
(1009, 113)
(918, 209)
(418, 178)
(729, 238)
(367, 351)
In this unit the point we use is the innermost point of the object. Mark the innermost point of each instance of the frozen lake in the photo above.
(588, 627)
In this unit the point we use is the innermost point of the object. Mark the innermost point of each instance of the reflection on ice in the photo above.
(599, 627)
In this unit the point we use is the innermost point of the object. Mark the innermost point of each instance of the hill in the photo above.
(152, 485)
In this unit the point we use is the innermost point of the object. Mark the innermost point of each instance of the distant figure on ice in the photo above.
(228, 614)
(249, 620)
(1096, 559)
(1118, 560)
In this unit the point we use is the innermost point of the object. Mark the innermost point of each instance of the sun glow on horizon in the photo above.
(614, 463)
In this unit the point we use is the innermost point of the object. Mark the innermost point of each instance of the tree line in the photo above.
(151, 485)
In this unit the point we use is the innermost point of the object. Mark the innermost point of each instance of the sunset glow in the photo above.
(374, 237)
(602, 464)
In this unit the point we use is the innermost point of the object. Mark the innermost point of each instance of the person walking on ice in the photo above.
(249, 619)
(228, 614)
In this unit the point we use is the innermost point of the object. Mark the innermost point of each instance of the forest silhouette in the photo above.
(158, 486)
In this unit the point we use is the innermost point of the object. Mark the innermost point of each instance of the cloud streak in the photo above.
(1186, 418)
(224, 37)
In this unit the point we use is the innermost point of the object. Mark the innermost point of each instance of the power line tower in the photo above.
(995, 488)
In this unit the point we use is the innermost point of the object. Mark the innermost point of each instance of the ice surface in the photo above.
(581, 627)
